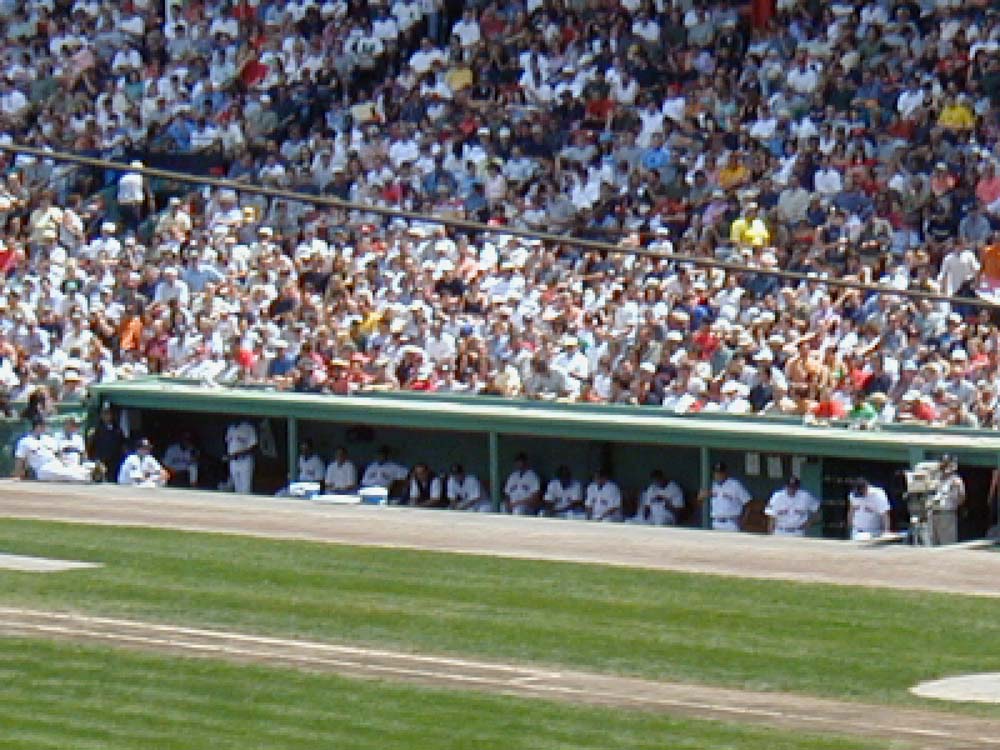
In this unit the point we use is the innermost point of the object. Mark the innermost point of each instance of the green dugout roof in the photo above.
(622, 424)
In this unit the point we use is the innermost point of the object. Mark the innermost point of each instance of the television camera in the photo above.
(927, 491)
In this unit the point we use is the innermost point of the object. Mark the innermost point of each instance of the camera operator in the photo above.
(868, 511)
(943, 516)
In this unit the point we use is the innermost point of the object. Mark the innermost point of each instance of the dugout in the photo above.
(486, 433)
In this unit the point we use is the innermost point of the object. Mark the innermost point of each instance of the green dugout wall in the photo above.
(486, 433)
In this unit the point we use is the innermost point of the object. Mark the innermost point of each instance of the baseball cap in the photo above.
(719, 466)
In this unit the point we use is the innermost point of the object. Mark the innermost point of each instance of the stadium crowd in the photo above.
(846, 139)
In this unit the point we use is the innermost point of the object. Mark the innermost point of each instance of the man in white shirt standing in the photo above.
(341, 474)
(728, 498)
(661, 502)
(141, 469)
(868, 511)
(564, 496)
(958, 266)
(132, 195)
(603, 498)
(464, 492)
(522, 491)
(791, 510)
(241, 443)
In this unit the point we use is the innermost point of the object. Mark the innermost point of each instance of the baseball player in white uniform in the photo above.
(868, 511)
(241, 442)
(728, 499)
(38, 453)
(72, 448)
(341, 474)
(382, 472)
(464, 492)
(791, 510)
(564, 496)
(660, 503)
(603, 499)
(141, 469)
(312, 471)
(522, 491)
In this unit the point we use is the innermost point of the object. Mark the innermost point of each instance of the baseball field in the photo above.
(216, 623)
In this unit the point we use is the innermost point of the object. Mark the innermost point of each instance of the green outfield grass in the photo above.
(825, 640)
(55, 695)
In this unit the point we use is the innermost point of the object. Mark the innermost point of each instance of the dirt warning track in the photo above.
(913, 727)
(952, 570)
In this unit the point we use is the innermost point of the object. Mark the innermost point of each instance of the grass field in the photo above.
(823, 640)
(85, 698)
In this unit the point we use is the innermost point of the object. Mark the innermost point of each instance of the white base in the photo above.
(24, 564)
(977, 688)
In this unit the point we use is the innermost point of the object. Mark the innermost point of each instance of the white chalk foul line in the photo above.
(281, 642)
(514, 680)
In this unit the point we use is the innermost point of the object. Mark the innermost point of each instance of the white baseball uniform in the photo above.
(563, 498)
(868, 511)
(141, 471)
(241, 437)
(520, 486)
(311, 468)
(659, 503)
(728, 500)
(791, 512)
(604, 501)
(382, 474)
(341, 477)
(39, 453)
(71, 448)
(465, 493)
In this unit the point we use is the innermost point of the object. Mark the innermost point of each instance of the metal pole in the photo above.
(706, 484)
(293, 447)
(495, 470)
